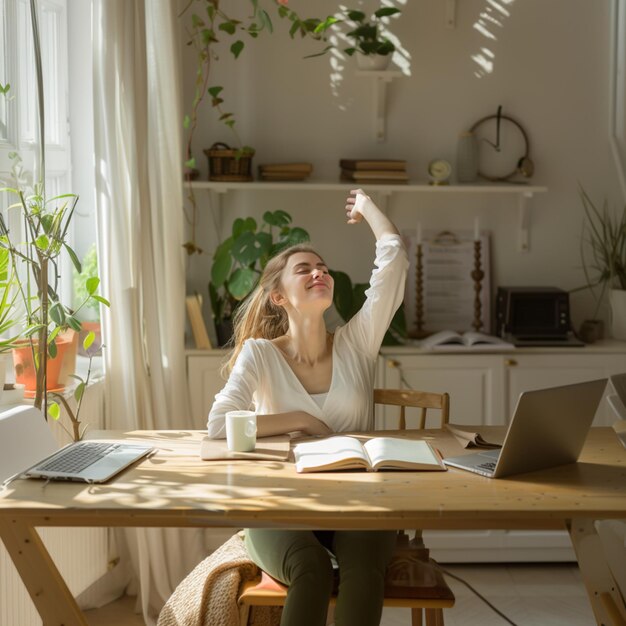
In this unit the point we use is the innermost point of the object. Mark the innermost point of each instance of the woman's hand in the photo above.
(314, 426)
(355, 203)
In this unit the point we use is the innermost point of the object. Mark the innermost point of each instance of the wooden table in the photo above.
(174, 488)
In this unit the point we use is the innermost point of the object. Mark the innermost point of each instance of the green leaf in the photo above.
(53, 335)
(190, 163)
(186, 122)
(88, 340)
(42, 242)
(74, 257)
(79, 391)
(250, 224)
(297, 235)
(196, 20)
(102, 300)
(92, 284)
(57, 313)
(238, 227)
(326, 24)
(236, 48)
(215, 91)
(73, 323)
(245, 249)
(356, 16)
(52, 349)
(228, 27)
(267, 20)
(277, 218)
(222, 264)
(386, 11)
(47, 221)
(264, 243)
(350, 51)
(242, 282)
(54, 410)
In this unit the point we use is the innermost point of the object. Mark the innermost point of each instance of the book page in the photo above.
(331, 453)
(442, 337)
(396, 453)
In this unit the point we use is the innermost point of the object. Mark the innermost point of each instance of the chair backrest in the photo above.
(420, 399)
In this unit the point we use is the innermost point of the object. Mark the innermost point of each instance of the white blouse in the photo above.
(262, 380)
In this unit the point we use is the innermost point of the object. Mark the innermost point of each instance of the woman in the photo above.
(299, 377)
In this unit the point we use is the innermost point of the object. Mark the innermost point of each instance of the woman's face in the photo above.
(305, 284)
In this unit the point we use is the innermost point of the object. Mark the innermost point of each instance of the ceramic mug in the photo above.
(241, 431)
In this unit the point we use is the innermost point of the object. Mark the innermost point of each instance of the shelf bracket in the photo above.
(524, 220)
(450, 13)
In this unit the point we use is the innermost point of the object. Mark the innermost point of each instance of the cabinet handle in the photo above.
(510, 362)
(393, 363)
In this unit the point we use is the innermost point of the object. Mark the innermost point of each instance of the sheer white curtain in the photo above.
(140, 220)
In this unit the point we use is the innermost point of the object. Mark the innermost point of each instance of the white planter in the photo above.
(617, 298)
(373, 62)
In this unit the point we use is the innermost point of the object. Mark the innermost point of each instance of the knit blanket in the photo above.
(208, 595)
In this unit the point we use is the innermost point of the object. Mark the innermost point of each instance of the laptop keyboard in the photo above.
(77, 458)
(488, 466)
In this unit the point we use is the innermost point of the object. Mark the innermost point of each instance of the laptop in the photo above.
(28, 450)
(548, 428)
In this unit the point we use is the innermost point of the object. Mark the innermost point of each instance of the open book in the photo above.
(451, 340)
(339, 453)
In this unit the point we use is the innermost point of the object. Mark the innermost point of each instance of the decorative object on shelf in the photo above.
(239, 261)
(477, 275)
(385, 171)
(207, 19)
(603, 255)
(440, 290)
(467, 158)
(285, 171)
(373, 51)
(439, 171)
(501, 140)
(227, 164)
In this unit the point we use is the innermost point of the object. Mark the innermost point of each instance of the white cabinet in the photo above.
(484, 389)
(204, 381)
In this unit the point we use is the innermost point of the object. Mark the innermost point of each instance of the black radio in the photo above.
(534, 316)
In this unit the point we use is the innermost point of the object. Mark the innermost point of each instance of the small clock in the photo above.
(439, 172)
(503, 148)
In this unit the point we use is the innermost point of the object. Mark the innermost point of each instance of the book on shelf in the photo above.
(372, 164)
(379, 453)
(286, 167)
(450, 340)
(390, 175)
(469, 439)
(196, 321)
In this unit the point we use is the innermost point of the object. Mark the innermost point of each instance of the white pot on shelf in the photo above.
(617, 298)
(373, 62)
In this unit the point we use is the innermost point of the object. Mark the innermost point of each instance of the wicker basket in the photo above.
(225, 165)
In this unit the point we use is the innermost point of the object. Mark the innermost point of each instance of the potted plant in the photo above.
(35, 254)
(239, 261)
(603, 254)
(210, 27)
(373, 50)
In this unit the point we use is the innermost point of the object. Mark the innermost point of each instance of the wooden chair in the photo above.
(414, 580)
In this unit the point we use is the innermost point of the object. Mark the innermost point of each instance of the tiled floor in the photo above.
(530, 595)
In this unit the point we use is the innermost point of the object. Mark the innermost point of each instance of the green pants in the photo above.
(300, 559)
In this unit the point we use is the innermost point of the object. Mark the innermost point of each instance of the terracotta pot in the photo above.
(25, 373)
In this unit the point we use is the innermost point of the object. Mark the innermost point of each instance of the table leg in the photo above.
(606, 601)
(48, 591)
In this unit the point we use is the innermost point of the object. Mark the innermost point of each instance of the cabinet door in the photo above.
(474, 383)
(204, 380)
(528, 371)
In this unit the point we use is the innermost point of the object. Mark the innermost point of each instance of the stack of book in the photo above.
(285, 171)
(373, 171)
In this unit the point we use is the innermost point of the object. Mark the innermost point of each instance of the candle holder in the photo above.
(477, 276)
(419, 294)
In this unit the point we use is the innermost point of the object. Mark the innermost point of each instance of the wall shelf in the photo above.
(383, 192)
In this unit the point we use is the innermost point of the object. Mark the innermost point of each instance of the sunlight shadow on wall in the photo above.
(490, 19)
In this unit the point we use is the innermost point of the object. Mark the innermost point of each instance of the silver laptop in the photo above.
(548, 428)
(28, 449)
(617, 401)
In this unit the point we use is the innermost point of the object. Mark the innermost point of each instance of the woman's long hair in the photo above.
(257, 317)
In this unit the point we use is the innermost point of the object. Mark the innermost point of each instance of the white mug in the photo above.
(241, 431)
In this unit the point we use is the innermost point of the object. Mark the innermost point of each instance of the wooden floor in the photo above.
(530, 595)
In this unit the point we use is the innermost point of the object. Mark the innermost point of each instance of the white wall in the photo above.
(551, 71)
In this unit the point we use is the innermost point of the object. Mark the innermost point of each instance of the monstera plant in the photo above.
(239, 261)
